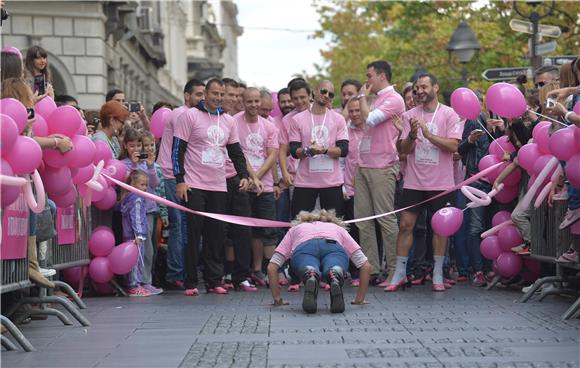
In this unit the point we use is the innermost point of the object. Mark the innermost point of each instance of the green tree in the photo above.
(415, 33)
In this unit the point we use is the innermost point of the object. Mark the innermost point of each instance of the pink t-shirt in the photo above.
(352, 159)
(255, 139)
(164, 158)
(378, 147)
(283, 131)
(206, 136)
(320, 171)
(428, 167)
(314, 230)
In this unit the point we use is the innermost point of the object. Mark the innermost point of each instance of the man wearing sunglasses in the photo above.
(376, 176)
(545, 75)
(318, 137)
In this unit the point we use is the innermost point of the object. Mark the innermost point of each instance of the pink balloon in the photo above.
(117, 169)
(576, 108)
(96, 195)
(16, 110)
(530, 270)
(39, 127)
(57, 181)
(53, 158)
(465, 103)
(540, 163)
(102, 241)
(509, 237)
(64, 120)
(447, 221)
(487, 161)
(507, 195)
(542, 138)
(527, 156)
(8, 133)
(83, 153)
(537, 128)
(489, 248)
(512, 179)
(562, 143)
(505, 100)
(99, 270)
(500, 217)
(123, 258)
(9, 193)
(45, 107)
(500, 145)
(573, 170)
(84, 174)
(65, 200)
(158, 121)
(275, 106)
(103, 288)
(82, 128)
(103, 152)
(73, 274)
(508, 264)
(108, 201)
(577, 138)
(25, 155)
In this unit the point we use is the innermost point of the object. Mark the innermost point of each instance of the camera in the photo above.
(143, 156)
(550, 103)
(3, 15)
(133, 106)
(40, 84)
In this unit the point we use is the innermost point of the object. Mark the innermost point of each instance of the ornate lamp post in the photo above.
(464, 46)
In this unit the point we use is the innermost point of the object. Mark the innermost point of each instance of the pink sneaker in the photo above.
(191, 292)
(138, 291)
(246, 286)
(571, 256)
(571, 217)
(355, 282)
(217, 290)
(479, 279)
(294, 288)
(152, 289)
(384, 284)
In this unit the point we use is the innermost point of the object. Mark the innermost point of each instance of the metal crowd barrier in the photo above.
(548, 242)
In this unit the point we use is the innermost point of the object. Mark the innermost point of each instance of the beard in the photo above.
(286, 110)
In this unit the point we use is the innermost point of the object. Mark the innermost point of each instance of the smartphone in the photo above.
(550, 103)
(40, 84)
(143, 156)
(133, 106)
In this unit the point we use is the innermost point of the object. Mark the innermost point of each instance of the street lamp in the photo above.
(464, 45)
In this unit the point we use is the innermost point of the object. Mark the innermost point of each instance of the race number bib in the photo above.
(427, 154)
(365, 145)
(320, 163)
(213, 156)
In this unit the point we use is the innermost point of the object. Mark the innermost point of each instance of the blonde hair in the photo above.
(543, 93)
(18, 89)
(319, 215)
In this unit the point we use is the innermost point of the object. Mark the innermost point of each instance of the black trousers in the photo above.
(212, 251)
(304, 199)
(238, 203)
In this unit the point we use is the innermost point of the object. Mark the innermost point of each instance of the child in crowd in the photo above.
(135, 158)
(37, 72)
(136, 227)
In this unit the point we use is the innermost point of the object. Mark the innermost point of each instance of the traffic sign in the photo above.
(546, 47)
(496, 74)
(559, 60)
(523, 26)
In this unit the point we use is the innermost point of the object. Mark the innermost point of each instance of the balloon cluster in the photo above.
(108, 259)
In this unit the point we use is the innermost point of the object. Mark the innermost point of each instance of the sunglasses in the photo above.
(540, 84)
(30, 112)
(324, 91)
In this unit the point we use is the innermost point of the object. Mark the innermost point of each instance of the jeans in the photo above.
(319, 254)
(476, 220)
(175, 243)
(573, 197)
(460, 239)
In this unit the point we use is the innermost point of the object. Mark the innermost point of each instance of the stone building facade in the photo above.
(149, 49)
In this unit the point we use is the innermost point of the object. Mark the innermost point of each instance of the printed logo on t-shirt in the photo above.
(320, 135)
(254, 142)
(216, 135)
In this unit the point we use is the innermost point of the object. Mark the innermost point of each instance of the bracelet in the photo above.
(567, 115)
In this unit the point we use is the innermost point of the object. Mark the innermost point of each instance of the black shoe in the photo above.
(310, 295)
(336, 297)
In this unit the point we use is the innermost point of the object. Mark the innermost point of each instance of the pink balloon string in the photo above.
(549, 118)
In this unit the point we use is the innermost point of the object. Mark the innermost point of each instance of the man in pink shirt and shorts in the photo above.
(431, 134)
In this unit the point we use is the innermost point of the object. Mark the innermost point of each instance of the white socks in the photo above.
(438, 270)
(400, 270)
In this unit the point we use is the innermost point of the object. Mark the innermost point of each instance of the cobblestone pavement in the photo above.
(464, 327)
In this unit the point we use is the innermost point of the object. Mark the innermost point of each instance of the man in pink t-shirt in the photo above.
(192, 94)
(201, 140)
(431, 134)
(259, 141)
(376, 177)
(318, 137)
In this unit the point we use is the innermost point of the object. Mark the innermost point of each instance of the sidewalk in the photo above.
(464, 327)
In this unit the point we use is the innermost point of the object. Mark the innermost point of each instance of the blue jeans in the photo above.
(460, 239)
(175, 251)
(319, 254)
(573, 197)
(475, 219)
